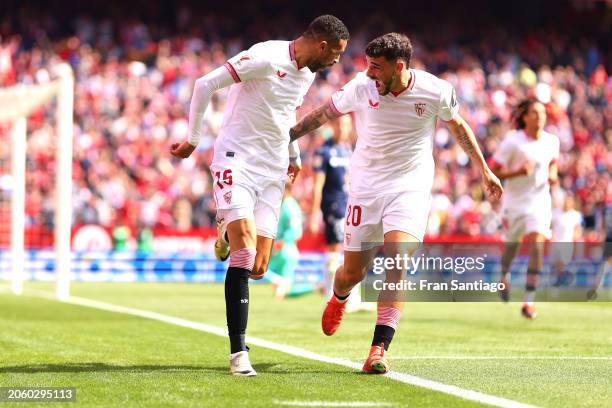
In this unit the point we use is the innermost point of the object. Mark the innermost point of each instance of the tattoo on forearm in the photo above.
(467, 141)
(312, 121)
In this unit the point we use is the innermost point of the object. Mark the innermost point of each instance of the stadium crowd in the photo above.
(134, 84)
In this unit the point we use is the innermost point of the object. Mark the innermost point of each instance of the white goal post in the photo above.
(17, 103)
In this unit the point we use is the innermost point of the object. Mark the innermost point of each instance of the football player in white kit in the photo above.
(566, 227)
(527, 161)
(391, 171)
(251, 154)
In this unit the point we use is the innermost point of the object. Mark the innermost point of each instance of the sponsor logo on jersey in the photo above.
(373, 104)
(228, 197)
(281, 75)
(347, 237)
(419, 108)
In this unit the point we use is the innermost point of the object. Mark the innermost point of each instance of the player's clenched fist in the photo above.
(492, 184)
(182, 150)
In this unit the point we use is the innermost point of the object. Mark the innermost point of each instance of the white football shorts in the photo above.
(369, 219)
(520, 223)
(240, 194)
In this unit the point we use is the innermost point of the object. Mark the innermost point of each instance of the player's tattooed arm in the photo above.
(463, 134)
(312, 121)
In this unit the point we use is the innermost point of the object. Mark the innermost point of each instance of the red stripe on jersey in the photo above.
(333, 107)
(292, 54)
(232, 71)
(409, 86)
(396, 94)
(412, 79)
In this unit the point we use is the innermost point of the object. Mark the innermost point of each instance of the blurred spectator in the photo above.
(134, 84)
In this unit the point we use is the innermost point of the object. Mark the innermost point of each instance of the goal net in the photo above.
(22, 199)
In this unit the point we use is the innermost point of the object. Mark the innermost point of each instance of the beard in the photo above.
(317, 66)
(386, 86)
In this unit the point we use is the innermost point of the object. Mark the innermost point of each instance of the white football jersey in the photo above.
(564, 224)
(261, 108)
(394, 132)
(527, 193)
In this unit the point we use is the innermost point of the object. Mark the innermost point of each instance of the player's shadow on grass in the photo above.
(268, 368)
(296, 369)
(103, 367)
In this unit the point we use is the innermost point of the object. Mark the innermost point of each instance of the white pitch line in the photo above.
(295, 351)
(392, 358)
(298, 403)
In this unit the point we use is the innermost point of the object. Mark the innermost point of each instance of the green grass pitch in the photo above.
(564, 358)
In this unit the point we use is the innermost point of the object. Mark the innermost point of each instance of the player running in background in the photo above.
(527, 161)
(329, 195)
(566, 229)
(391, 171)
(249, 166)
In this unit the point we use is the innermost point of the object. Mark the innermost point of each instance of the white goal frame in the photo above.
(18, 102)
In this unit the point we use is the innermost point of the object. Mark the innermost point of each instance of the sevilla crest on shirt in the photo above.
(419, 108)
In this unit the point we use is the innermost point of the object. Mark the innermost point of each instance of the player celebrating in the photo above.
(527, 160)
(250, 155)
(391, 171)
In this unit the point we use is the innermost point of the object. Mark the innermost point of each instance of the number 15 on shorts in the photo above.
(224, 178)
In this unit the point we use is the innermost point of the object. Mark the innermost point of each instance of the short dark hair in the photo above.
(521, 110)
(327, 27)
(391, 46)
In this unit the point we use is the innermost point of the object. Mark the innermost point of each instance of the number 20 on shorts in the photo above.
(353, 215)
